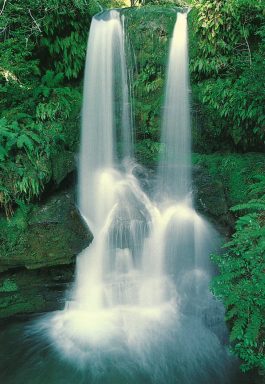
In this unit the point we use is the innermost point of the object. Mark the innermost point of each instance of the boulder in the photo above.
(38, 248)
(53, 234)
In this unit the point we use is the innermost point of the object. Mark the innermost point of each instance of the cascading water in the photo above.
(106, 117)
(187, 234)
(120, 287)
(175, 164)
(140, 310)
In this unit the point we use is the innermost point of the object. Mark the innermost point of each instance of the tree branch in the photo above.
(3, 30)
(2, 10)
(248, 47)
(35, 22)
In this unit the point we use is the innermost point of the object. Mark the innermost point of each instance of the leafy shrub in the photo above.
(43, 46)
(28, 141)
(234, 171)
(241, 283)
(148, 152)
(226, 49)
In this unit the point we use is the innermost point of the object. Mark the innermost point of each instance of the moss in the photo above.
(46, 234)
(12, 230)
(8, 286)
(234, 171)
(34, 291)
(62, 165)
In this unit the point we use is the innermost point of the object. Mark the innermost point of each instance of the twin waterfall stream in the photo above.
(140, 310)
(141, 298)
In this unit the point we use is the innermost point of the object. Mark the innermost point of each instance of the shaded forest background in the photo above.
(42, 51)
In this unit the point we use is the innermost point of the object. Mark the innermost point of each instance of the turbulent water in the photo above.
(140, 310)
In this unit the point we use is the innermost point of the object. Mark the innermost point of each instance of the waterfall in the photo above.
(106, 116)
(188, 238)
(175, 164)
(140, 309)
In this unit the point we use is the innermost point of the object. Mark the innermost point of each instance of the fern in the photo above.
(3, 152)
(237, 332)
(252, 205)
(253, 329)
(241, 283)
(24, 141)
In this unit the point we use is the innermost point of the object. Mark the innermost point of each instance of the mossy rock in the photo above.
(222, 181)
(62, 165)
(47, 234)
(23, 291)
(209, 193)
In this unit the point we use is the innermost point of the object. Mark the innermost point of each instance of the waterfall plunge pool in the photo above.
(28, 357)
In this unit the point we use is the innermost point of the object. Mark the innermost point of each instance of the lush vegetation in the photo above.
(235, 172)
(227, 67)
(43, 47)
(227, 43)
(227, 74)
(148, 74)
(39, 107)
(241, 283)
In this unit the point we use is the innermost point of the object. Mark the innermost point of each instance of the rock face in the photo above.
(210, 199)
(23, 291)
(37, 266)
(54, 235)
(221, 181)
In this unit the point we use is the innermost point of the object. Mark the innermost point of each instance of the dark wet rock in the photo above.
(208, 193)
(54, 235)
(210, 198)
(63, 164)
(37, 255)
(29, 291)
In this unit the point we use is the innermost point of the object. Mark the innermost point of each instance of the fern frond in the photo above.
(24, 141)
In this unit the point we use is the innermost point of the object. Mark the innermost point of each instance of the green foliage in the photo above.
(227, 67)
(96, 6)
(42, 47)
(221, 34)
(235, 172)
(28, 141)
(54, 31)
(21, 168)
(227, 70)
(8, 286)
(165, 3)
(148, 151)
(241, 283)
(149, 65)
(257, 191)
(12, 230)
(64, 35)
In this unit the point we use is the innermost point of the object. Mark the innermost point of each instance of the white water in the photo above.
(106, 117)
(175, 165)
(140, 301)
